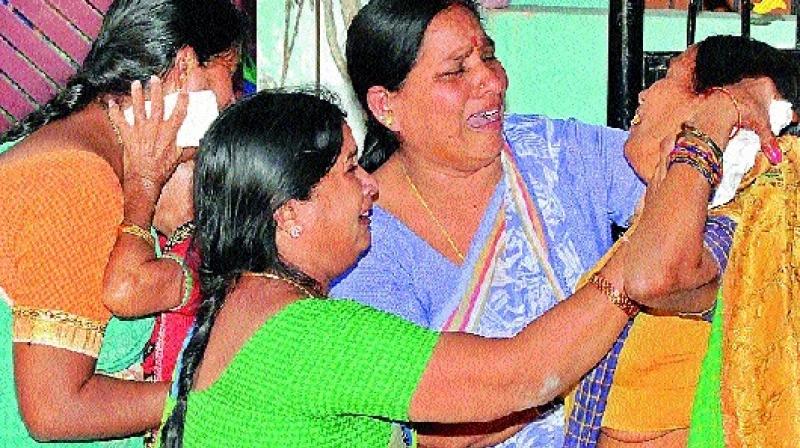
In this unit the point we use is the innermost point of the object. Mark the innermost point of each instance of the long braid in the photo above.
(76, 95)
(214, 288)
(260, 153)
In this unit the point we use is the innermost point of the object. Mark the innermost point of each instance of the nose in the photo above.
(369, 186)
(491, 78)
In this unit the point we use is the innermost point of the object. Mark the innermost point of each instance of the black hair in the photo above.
(260, 153)
(723, 60)
(139, 38)
(383, 42)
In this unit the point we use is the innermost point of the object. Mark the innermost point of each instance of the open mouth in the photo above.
(365, 216)
(484, 118)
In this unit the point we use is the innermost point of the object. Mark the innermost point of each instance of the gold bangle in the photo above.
(188, 280)
(617, 297)
(135, 230)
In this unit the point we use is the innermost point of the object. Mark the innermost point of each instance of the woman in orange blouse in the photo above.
(63, 188)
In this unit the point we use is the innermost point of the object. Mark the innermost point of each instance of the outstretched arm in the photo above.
(470, 378)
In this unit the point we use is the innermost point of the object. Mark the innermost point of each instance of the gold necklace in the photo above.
(427, 208)
(114, 126)
(272, 276)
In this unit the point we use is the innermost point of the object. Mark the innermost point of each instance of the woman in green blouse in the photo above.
(282, 207)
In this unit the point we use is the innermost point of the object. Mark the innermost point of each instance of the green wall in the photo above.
(555, 56)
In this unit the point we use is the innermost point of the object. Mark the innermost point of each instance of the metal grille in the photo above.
(627, 78)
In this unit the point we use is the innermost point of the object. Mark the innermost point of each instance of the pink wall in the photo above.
(41, 44)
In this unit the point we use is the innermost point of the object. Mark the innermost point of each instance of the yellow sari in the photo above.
(655, 379)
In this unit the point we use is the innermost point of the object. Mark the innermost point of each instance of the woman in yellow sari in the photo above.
(642, 393)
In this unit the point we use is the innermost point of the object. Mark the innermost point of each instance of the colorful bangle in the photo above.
(188, 280)
(689, 131)
(698, 166)
(729, 94)
(700, 145)
(702, 161)
(617, 297)
(138, 231)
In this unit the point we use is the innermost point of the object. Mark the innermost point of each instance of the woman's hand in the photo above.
(150, 155)
(747, 100)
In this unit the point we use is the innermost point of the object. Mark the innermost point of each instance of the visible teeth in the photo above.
(490, 113)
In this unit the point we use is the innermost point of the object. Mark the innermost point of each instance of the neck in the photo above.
(437, 176)
(96, 125)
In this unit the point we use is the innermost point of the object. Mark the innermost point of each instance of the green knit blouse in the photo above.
(320, 373)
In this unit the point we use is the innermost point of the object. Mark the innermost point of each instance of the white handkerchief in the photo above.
(201, 112)
(740, 154)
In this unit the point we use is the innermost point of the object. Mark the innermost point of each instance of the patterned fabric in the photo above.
(171, 327)
(583, 425)
(756, 400)
(319, 373)
(718, 238)
(580, 183)
(513, 225)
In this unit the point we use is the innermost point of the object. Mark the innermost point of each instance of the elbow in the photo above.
(118, 301)
(43, 424)
(647, 285)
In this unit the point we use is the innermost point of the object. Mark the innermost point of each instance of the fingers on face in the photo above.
(137, 100)
(156, 99)
(179, 113)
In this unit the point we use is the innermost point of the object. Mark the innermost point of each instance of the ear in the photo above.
(286, 216)
(182, 67)
(186, 59)
(379, 102)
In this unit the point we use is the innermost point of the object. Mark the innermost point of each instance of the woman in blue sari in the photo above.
(484, 221)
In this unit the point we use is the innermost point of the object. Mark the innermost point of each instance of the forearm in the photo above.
(471, 378)
(667, 252)
(135, 282)
(109, 407)
(565, 343)
(138, 284)
(61, 398)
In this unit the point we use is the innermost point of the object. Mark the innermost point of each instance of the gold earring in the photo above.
(388, 120)
(185, 68)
